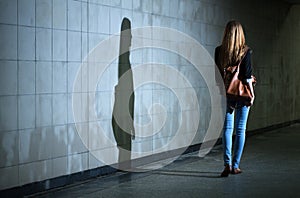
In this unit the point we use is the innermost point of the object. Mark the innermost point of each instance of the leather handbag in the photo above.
(236, 89)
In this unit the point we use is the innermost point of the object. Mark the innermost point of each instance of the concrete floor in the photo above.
(270, 165)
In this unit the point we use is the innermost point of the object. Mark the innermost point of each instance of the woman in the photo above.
(233, 51)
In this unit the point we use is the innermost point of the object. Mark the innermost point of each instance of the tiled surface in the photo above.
(44, 41)
(269, 163)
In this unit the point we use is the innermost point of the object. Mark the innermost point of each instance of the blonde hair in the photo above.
(233, 45)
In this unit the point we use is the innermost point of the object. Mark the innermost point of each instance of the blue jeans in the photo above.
(240, 121)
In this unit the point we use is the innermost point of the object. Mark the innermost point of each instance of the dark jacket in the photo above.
(244, 74)
(245, 67)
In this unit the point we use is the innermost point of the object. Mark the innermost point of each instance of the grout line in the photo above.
(18, 65)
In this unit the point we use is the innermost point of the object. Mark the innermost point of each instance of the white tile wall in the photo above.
(73, 68)
(115, 20)
(59, 45)
(94, 162)
(26, 12)
(35, 171)
(126, 4)
(174, 6)
(8, 41)
(84, 46)
(26, 77)
(8, 11)
(146, 6)
(136, 4)
(59, 166)
(36, 144)
(9, 177)
(60, 111)
(43, 43)
(59, 77)
(26, 111)
(45, 143)
(8, 113)
(95, 39)
(44, 13)
(43, 110)
(75, 144)
(74, 15)
(96, 137)
(74, 46)
(60, 140)
(77, 163)
(43, 77)
(8, 77)
(9, 149)
(60, 14)
(26, 43)
(27, 152)
(84, 16)
(98, 19)
(70, 108)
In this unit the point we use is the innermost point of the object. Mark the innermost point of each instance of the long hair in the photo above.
(233, 45)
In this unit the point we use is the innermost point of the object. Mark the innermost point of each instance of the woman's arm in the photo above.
(250, 85)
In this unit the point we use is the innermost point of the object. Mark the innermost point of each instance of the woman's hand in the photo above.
(252, 101)
(250, 85)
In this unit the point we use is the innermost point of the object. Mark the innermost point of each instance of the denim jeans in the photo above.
(240, 122)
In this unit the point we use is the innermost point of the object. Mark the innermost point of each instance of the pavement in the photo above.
(270, 165)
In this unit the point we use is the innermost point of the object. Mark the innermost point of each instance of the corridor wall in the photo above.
(44, 42)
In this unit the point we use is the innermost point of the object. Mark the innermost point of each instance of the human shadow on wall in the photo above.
(123, 109)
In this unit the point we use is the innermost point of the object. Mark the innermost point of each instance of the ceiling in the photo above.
(293, 1)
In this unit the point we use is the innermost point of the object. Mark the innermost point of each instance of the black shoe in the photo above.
(226, 171)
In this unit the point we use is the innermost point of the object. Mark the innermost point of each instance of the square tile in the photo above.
(8, 42)
(136, 5)
(98, 13)
(45, 143)
(43, 77)
(26, 112)
(60, 14)
(115, 20)
(9, 148)
(73, 75)
(60, 109)
(43, 110)
(26, 12)
(75, 141)
(26, 77)
(29, 143)
(8, 11)
(77, 163)
(43, 13)
(84, 47)
(8, 113)
(8, 77)
(35, 171)
(9, 177)
(74, 46)
(60, 140)
(59, 166)
(43, 44)
(59, 45)
(84, 16)
(126, 4)
(70, 108)
(59, 77)
(26, 43)
(74, 15)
